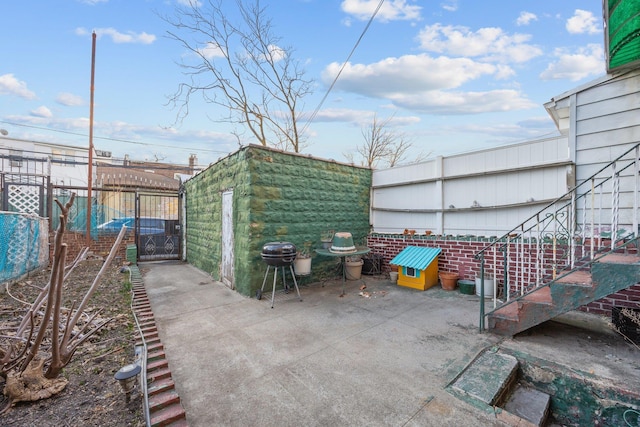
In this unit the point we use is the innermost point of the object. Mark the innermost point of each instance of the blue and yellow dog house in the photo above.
(417, 267)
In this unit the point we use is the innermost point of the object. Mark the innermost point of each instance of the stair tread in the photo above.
(577, 277)
(507, 311)
(620, 258)
(539, 295)
(488, 377)
(529, 404)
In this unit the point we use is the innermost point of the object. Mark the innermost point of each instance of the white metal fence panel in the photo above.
(479, 193)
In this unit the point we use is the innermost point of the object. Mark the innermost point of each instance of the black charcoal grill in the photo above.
(278, 254)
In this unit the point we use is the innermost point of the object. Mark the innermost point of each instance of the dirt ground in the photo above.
(92, 396)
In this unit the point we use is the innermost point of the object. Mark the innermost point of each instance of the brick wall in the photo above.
(458, 255)
(100, 246)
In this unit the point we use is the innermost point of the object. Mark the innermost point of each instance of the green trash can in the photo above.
(132, 254)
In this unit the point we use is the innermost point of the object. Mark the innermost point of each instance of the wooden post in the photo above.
(90, 168)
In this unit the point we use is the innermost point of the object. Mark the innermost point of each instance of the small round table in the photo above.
(360, 250)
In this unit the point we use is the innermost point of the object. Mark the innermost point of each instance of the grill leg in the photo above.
(265, 278)
(294, 281)
(273, 290)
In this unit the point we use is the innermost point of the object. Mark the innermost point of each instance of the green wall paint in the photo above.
(277, 196)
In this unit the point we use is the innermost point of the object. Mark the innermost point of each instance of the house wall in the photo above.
(602, 121)
(277, 196)
(67, 164)
(480, 193)
(607, 123)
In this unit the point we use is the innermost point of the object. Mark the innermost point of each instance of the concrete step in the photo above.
(488, 378)
(528, 404)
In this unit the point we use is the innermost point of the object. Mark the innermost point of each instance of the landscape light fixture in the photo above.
(126, 376)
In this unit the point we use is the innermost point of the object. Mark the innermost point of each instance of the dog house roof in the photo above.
(416, 257)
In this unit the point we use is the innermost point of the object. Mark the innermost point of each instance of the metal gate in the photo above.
(157, 226)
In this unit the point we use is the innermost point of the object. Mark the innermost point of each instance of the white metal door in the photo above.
(226, 273)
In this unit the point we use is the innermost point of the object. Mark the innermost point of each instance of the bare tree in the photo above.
(241, 67)
(381, 145)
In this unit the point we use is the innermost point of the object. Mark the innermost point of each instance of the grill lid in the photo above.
(279, 249)
(279, 253)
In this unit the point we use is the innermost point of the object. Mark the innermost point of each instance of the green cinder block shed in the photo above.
(258, 195)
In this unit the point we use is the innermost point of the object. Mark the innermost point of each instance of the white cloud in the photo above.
(394, 10)
(582, 22)
(489, 43)
(118, 37)
(407, 73)
(211, 50)
(276, 52)
(537, 123)
(93, 2)
(425, 84)
(585, 62)
(450, 5)
(441, 102)
(525, 18)
(504, 72)
(42, 111)
(69, 99)
(359, 117)
(9, 85)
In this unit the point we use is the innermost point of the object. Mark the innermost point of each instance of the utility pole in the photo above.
(90, 178)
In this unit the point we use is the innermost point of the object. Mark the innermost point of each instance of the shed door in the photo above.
(226, 273)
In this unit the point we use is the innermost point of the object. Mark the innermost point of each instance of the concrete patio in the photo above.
(383, 355)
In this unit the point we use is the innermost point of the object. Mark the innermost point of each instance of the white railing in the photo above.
(565, 235)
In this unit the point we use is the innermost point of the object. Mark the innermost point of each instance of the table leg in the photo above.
(344, 277)
(295, 282)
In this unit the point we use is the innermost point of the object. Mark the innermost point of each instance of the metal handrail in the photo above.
(549, 242)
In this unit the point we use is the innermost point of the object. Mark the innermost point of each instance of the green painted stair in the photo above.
(611, 273)
(490, 382)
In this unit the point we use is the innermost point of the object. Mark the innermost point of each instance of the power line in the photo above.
(344, 64)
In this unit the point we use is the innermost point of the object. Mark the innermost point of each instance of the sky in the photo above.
(451, 76)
